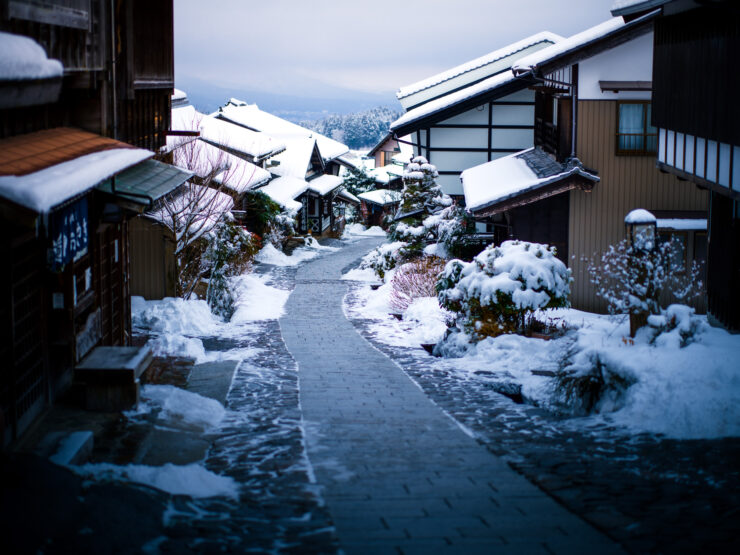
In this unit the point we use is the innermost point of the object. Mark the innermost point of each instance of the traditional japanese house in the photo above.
(472, 113)
(379, 205)
(593, 159)
(390, 150)
(696, 119)
(307, 180)
(67, 191)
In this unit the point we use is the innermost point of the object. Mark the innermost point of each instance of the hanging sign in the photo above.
(69, 234)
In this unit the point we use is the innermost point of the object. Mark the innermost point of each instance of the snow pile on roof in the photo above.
(284, 190)
(249, 115)
(627, 7)
(179, 95)
(234, 173)
(295, 160)
(346, 195)
(640, 216)
(42, 190)
(192, 479)
(22, 58)
(571, 43)
(325, 184)
(511, 176)
(221, 133)
(381, 197)
(685, 224)
(387, 173)
(489, 58)
(453, 99)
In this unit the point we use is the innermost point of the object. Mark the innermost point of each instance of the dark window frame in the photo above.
(646, 150)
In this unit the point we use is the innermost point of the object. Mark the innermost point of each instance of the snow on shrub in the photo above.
(492, 294)
(420, 188)
(384, 258)
(414, 280)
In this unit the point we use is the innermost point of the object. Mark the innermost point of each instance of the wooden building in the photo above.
(379, 205)
(697, 120)
(593, 160)
(472, 113)
(69, 185)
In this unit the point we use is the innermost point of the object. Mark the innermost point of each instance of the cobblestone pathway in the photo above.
(652, 495)
(399, 475)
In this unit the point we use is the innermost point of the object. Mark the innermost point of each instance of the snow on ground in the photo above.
(680, 392)
(360, 230)
(256, 300)
(178, 408)
(270, 255)
(191, 479)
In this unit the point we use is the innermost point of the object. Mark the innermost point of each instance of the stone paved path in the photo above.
(398, 474)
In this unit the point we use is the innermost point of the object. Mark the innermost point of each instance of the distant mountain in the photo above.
(207, 97)
(358, 130)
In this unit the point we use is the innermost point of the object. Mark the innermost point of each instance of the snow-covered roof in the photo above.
(575, 42)
(640, 216)
(249, 115)
(179, 95)
(488, 59)
(325, 184)
(44, 189)
(345, 194)
(284, 190)
(381, 197)
(197, 210)
(22, 58)
(682, 224)
(628, 7)
(295, 160)
(402, 158)
(513, 175)
(236, 173)
(452, 99)
(222, 133)
(387, 173)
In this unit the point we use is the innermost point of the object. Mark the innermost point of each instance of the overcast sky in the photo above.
(320, 47)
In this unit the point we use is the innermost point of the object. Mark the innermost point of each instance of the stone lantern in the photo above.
(642, 229)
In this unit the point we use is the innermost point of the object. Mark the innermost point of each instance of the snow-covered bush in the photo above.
(676, 326)
(420, 188)
(414, 280)
(265, 218)
(492, 294)
(357, 181)
(631, 280)
(230, 252)
(384, 258)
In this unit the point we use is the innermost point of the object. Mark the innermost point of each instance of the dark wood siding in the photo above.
(545, 221)
(627, 182)
(695, 76)
(152, 259)
(23, 377)
(723, 276)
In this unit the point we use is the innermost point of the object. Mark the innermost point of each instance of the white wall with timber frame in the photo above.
(485, 133)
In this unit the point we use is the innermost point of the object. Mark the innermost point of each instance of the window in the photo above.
(635, 135)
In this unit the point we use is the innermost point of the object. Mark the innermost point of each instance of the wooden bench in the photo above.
(110, 376)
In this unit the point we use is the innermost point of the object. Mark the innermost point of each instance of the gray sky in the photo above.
(320, 47)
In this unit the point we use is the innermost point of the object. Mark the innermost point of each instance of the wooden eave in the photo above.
(575, 181)
(429, 120)
(616, 86)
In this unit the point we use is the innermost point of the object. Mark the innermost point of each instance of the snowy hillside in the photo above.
(356, 130)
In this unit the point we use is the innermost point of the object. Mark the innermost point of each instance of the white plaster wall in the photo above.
(513, 115)
(631, 61)
(459, 138)
(450, 184)
(478, 115)
(513, 139)
(457, 161)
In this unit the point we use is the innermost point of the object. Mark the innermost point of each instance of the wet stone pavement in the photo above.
(649, 494)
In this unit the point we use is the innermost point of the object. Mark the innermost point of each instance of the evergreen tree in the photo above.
(420, 189)
(358, 181)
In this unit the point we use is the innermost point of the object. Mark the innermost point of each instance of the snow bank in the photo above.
(172, 344)
(192, 479)
(255, 300)
(174, 316)
(179, 408)
(270, 255)
(359, 229)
